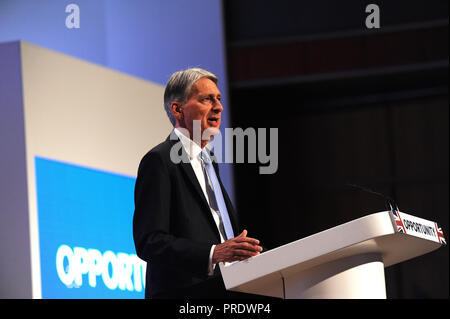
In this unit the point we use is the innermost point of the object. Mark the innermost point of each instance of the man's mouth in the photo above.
(213, 120)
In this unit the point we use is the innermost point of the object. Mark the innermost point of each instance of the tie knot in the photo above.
(205, 157)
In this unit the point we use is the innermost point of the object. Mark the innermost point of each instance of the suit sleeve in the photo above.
(151, 221)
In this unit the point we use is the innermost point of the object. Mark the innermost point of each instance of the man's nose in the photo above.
(217, 106)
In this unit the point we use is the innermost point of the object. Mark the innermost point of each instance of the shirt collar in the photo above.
(192, 149)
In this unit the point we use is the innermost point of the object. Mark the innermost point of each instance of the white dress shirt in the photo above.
(193, 150)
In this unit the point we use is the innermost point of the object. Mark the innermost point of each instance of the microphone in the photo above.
(389, 202)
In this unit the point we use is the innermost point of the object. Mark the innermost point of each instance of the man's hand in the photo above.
(237, 248)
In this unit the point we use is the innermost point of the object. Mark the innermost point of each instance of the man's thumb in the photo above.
(243, 234)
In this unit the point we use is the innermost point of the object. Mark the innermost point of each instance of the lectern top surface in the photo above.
(378, 233)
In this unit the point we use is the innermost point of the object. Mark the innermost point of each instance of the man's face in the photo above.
(203, 105)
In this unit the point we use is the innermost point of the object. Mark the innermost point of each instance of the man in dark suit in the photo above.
(184, 222)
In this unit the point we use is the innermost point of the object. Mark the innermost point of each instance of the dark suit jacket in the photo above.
(173, 227)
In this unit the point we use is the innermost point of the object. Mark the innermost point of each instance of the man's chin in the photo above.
(210, 132)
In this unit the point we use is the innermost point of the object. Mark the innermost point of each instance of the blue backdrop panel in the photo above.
(85, 232)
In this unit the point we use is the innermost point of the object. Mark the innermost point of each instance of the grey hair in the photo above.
(179, 87)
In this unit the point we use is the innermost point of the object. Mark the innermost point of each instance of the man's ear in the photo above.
(177, 110)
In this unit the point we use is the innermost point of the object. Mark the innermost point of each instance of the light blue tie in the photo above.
(216, 198)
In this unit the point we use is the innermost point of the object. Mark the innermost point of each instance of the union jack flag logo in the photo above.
(398, 222)
(440, 234)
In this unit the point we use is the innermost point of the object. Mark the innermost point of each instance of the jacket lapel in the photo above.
(186, 167)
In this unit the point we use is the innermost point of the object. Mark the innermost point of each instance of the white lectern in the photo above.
(346, 261)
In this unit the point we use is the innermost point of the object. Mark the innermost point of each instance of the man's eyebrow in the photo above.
(210, 94)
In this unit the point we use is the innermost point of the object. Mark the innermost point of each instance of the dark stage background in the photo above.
(352, 105)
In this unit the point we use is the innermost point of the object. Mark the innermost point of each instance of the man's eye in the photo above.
(210, 98)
